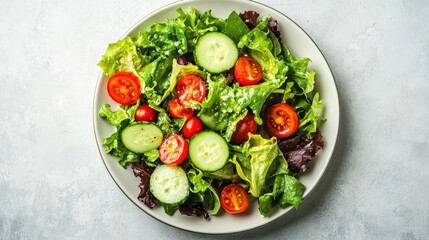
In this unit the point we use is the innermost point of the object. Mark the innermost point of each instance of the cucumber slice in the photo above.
(141, 137)
(208, 151)
(211, 122)
(215, 52)
(169, 184)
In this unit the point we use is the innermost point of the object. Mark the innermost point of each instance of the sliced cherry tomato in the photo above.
(146, 113)
(281, 120)
(233, 198)
(244, 126)
(177, 110)
(192, 126)
(190, 88)
(173, 150)
(247, 71)
(124, 88)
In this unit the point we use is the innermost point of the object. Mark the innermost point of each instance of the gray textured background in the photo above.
(53, 184)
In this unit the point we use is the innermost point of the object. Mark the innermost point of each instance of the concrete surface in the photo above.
(53, 184)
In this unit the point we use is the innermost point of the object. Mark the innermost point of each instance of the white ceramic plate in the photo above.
(302, 45)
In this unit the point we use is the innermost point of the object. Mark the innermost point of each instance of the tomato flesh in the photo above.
(244, 127)
(145, 113)
(177, 110)
(173, 150)
(192, 126)
(233, 199)
(190, 88)
(247, 71)
(281, 120)
(124, 88)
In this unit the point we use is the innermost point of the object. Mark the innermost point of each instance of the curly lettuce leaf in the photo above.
(151, 158)
(195, 25)
(226, 105)
(120, 118)
(262, 45)
(162, 39)
(122, 55)
(169, 126)
(115, 147)
(123, 115)
(199, 187)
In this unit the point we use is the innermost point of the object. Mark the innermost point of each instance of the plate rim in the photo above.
(260, 225)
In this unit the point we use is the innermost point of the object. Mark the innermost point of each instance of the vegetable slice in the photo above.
(173, 150)
(233, 199)
(247, 71)
(177, 110)
(124, 88)
(215, 52)
(169, 184)
(141, 137)
(281, 120)
(208, 151)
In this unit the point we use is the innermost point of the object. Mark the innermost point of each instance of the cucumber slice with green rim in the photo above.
(215, 52)
(141, 137)
(169, 184)
(208, 151)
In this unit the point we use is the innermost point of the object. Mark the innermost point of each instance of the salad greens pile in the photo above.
(258, 164)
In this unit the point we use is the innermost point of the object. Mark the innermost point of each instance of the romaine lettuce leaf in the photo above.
(161, 77)
(155, 79)
(287, 190)
(227, 172)
(253, 163)
(308, 124)
(292, 192)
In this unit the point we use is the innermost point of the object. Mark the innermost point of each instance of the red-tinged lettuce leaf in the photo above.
(191, 208)
(272, 25)
(250, 18)
(299, 151)
(143, 172)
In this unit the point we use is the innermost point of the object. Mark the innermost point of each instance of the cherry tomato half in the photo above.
(281, 120)
(233, 198)
(247, 71)
(124, 88)
(177, 110)
(145, 113)
(173, 150)
(190, 88)
(244, 126)
(192, 126)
